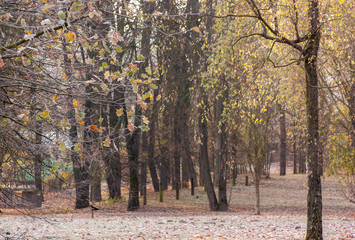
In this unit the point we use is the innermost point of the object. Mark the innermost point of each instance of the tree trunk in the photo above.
(95, 182)
(351, 97)
(221, 150)
(112, 157)
(151, 146)
(301, 156)
(282, 122)
(257, 195)
(113, 173)
(133, 153)
(38, 166)
(294, 155)
(144, 157)
(314, 197)
(177, 148)
(80, 168)
(187, 156)
(205, 165)
(132, 145)
(164, 152)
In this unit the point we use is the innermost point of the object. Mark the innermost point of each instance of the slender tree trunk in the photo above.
(282, 122)
(205, 165)
(144, 157)
(314, 198)
(164, 152)
(257, 195)
(38, 165)
(294, 154)
(95, 182)
(221, 150)
(177, 147)
(351, 97)
(302, 156)
(151, 146)
(187, 156)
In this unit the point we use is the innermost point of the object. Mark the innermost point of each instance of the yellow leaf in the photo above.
(119, 112)
(145, 120)
(107, 74)
(62, 146)
(70, 36)
(45, 114)
(158, 97)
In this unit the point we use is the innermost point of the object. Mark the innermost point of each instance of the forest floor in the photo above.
(283, 215)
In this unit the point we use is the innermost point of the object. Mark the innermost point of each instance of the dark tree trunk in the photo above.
(282, 123)
(95, 182)
(221, 151)
(177, 150)
(302, 156)
(314, 198)
(80, 168)
(144, 157)
(187, 156)
(151, 146)
(38, 166)
(112, 157)
(164, 152)
(133, 153)
(113, 173)
(205, 165)
(294, 155)
(148, 8)
(132, 145)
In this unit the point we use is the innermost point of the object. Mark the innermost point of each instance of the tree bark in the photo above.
(113, 173)
(205, 165)
(144, 157)
(151, 146)
(80, 167)
(132, 145)
(221, 149)
(314, 197)
(282, 123)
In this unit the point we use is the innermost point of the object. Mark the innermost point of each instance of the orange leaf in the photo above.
(1, 62)
(94, 127)
(130, 65)
(130, 127)
(75, 103)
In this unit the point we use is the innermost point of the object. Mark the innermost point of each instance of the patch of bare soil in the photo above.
(283, 201)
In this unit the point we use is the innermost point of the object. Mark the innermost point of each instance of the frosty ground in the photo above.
(283, 215)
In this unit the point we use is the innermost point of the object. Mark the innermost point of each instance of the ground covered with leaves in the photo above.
(283, 216)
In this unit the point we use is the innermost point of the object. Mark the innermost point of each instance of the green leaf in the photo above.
(144, 128)
(62, 14)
